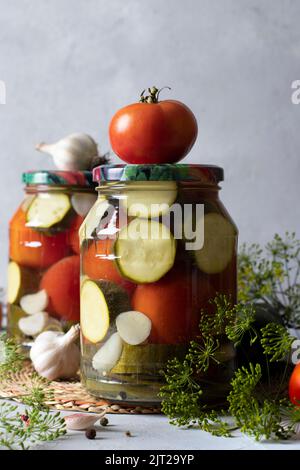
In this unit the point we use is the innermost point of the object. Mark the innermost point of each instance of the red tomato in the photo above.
(173, 305)
(61, 282)
(73, 233)
(294, 386)
(156, 132)
(32, 248)
(98, 264)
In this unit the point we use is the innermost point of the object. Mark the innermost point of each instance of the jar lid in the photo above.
(59, 178)
(210, 174)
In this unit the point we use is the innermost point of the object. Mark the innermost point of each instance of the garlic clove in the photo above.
(72, 153)
(34, 303)
(108, 355)
(82, 203)
(82, 421)
(34, 324)
(133, 327)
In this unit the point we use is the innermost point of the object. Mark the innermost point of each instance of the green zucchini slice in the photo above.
(100, 303)
(149, 202)
(93, 219)
(47, 210)
(20, 281)
(145, 250)
(147, 358)
(219, 244)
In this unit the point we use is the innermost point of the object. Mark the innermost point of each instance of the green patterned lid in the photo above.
(59, 178)
(209, 174)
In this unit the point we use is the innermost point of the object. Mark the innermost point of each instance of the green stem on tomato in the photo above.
(153, 95)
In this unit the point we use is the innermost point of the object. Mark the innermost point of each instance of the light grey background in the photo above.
(70, 64)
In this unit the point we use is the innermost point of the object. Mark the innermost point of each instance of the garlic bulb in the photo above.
(55, 355)
(72, 153)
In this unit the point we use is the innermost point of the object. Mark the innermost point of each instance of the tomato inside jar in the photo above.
(157, 248)
(44, 262)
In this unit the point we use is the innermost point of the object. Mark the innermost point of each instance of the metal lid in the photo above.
(59, 178)
(210, 174)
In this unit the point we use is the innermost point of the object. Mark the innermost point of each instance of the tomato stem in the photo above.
(153, 95)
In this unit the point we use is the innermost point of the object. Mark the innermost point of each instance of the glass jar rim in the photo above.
(209, 174)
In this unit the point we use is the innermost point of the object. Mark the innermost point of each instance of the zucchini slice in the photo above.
(100, 303)
(93, 219)
(149, 203)
(145, 250)
(147, 358)
(47, 210)
(219, 244)
(20, 281)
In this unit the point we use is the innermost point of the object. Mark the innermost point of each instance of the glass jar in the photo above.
(156, 248)
(44, 261)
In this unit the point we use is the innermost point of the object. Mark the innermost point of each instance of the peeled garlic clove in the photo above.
(82, 203)
(34, 303)
(82, 421)
(72, 153)
(108, 355)
(34, 324)
(133, 327)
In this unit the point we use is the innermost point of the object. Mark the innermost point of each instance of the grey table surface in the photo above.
(153, 432)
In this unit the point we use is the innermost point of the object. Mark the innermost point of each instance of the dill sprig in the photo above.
(11, 358)
(37, 423)
(276, 341)
(272, 276)
(22, 431)
(253, 407)
(258, 418)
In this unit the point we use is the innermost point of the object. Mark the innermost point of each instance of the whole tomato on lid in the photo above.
(153, 131)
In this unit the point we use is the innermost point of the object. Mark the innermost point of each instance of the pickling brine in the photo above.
(156, 248)
(44, 261)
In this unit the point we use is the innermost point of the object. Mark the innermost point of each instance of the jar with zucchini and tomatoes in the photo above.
(44, 261)
(156, 248)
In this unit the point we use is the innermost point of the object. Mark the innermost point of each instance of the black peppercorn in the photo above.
(90, 433)
(104, 421)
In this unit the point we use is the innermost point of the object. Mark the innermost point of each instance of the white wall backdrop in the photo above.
(68, 65)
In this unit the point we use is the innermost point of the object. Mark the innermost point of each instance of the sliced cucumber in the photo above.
(93, 219)
(100, 303)
(219, 244)
(151, 202)
(147, 358)
(145, 250)
(47, 210)
(14, 314)
(20, 281)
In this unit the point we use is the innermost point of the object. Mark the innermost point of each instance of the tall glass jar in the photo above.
(156, 247)
(44, 261)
